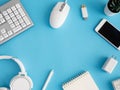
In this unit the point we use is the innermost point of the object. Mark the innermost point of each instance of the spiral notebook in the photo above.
(82, 82)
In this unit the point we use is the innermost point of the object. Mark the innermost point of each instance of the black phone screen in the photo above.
(110, 33)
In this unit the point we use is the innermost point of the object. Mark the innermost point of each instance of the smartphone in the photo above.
(109, 33)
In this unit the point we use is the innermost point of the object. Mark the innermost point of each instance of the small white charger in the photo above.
(116, 84)
(110, 64)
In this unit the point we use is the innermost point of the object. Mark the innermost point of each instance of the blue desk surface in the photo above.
(72, 49)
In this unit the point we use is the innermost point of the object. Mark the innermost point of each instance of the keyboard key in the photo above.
(18, 5)
(12, 25)
(3, 30)
(16, 29)
(4, 13)
(13, 8)
(26, 20)
(19, 27)
(16, 12)
(21, 12)
(21, 20)
(2, 20)
(7, 17)
(17, 23)
(10, 33)
(18, 16)
(9, 10)
(1, 38)
(10, 21)
(5, 35)
(12, 15)
(14, 19)
(23, 25)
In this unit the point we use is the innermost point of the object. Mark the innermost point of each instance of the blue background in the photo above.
(70, 50)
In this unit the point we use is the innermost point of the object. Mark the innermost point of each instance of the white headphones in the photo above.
(21, 81)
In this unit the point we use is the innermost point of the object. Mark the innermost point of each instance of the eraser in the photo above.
(116, 84)
(84, 12)
(110, 64)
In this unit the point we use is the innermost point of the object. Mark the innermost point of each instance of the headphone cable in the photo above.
(65, 1)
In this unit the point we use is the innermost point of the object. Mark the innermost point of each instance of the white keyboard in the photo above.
(13, 20)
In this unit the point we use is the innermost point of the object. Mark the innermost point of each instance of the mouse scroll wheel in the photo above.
(62, 7)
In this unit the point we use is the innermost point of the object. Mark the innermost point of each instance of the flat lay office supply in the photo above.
(74, 47)
(116, 84)
(82, 82)
(20, 81)
(59, 14)
(13, 20)
(110, 64)
(109, 33)
(48, 79)
(84, 11)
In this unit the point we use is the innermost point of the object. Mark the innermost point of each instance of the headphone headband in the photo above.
(20, 64)
(20, 81)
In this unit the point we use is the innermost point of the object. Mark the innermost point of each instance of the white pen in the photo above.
(48, 79)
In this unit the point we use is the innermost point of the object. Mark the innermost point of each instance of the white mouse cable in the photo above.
(65, 1)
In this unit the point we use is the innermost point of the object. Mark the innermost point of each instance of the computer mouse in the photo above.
(59, 14)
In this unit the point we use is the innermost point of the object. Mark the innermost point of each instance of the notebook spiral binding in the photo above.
(74, 79)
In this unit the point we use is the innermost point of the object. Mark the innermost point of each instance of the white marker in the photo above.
(48, 79)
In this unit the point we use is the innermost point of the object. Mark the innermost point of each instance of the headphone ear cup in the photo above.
(3, 88)
(21, 82)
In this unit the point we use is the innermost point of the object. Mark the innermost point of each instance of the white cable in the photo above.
(65, 1)
(20, 64)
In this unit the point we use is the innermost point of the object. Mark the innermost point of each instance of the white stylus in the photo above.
(48, 79)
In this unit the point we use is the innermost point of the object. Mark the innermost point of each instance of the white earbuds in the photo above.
(21, 81)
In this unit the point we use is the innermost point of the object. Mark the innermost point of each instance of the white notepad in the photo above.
(82, 82)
